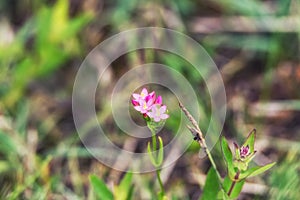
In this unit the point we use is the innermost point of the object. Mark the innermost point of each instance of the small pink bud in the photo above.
(158, 100)
(152, 94)
(244, 151)
(134, 102)
(149, 98)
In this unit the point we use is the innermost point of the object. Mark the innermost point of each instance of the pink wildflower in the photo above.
(158, 100)
(244, 151)
(143, 105)
(150, 106)
(158, 112)
(143, 94)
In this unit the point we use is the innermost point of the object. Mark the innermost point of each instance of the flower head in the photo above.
(238, 165)
(244, 151)
(143, 95)
(158, 112)
(143, 105)
(158, 100)
(150, 106)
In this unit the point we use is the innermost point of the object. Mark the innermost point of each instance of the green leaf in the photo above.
(59, 19)
(255, 171)
(226, 150)
(237, 151)
(284, 179)
(75, 25)
(211, 185)
(123, 191)
(160, 156)
(261, 169)
(250, 140)
(228, 157)
(4, 166)
(22, 117)
(151, 156)
(7, 144)
(222, 195)
(247, 173)
(243, 7)
(100, 188)
(236, 189)
(250, 157)
(240, 165)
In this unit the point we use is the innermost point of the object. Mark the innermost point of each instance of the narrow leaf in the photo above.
(100, 188)
(150, 153)
(237, 151)
(160, 156)
(123, 190)
(226, 150)
(22, 117)
(261, 169)
(4, 166)
(247, 173)
(59, 19)
(250, 140)
(211, 185)
(7, 144)
(228, 156)
(223, 195)
(75, 25)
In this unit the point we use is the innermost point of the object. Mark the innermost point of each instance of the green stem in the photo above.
(160, 182)
(157, 170)
(153, 140)
(195, 130)
(233, 184)
(213, 164)
(231, 188)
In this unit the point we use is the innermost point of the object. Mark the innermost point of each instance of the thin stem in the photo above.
(160, 182)
(213, 164)
(200, 139)
(157, 170)
(153, 140)
(231, 188)
(233, 183)
(202, 144)
(196, 131)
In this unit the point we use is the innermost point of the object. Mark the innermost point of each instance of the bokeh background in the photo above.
(255, 45)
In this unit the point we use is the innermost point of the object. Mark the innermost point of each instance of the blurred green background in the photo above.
(255, 45)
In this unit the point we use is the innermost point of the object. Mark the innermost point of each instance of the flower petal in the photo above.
(141, 101)
(134, 102)
(149, 104)
(164, 116)
(143, 111)
(149, 98)
(158, 100)
(163, 109)
(138, 108)
(152, 94)
(150, 114)
(136, 96)
(144, 92)
(156, 119)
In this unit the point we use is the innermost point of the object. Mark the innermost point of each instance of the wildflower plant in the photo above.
(237, 165)
(154, 112)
